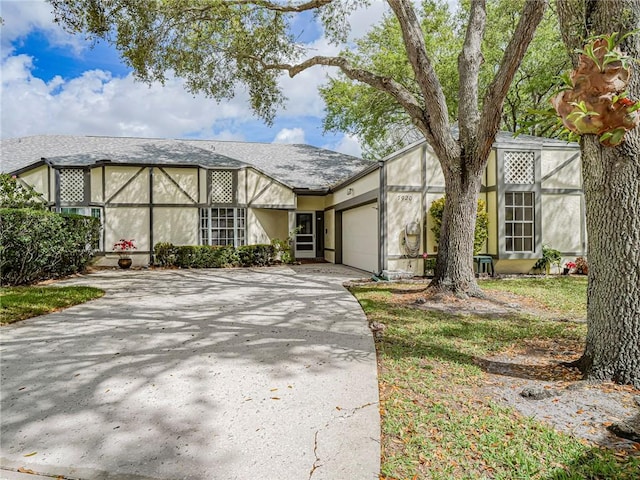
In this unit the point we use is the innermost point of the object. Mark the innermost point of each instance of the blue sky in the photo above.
(55, 83)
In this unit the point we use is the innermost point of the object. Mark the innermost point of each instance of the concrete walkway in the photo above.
(195, 374)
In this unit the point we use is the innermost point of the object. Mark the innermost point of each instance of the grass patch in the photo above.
(19, 303)
(563, 294)
(435, 425)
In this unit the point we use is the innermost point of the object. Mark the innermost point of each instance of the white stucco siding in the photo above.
(433, 170)
(561, 169)
(175, 185)
(97, 195)
(128, 223)
(562, 221)
(264, 191)
(38, 178)
(127, 185)
(406, 169)
(177, 225)
(329, 231)
(366, 184)
(360, 237)
(264, 225)
(403, 209)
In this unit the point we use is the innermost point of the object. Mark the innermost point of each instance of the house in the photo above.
(369, 215)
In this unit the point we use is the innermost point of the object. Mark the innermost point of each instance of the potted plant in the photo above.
(582, 266)
(550, 256)
(568, 267)
(124, 247)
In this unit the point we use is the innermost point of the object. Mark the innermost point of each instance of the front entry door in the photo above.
(305, 236)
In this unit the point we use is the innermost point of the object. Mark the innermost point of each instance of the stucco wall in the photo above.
(118, 191)
(97, 195)
(128, 223)
(178, 225)
(38, 178)
(561, 222)
(264, 191)
(329, 233)
(264, 225)
(366, 184)
(310, 203)
(569, 176)
(402, 209)
(165, 189)
(405, 169)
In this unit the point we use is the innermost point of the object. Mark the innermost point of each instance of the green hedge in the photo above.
(204, 256)
(37, 245)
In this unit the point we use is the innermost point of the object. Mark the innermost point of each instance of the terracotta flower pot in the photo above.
(125, 263)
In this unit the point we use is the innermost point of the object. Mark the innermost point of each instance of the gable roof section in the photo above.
(297, 166)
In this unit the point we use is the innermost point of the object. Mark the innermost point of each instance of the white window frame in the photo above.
(519, 221)
(238, 227)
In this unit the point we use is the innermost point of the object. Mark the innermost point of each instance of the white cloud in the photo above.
(96, 103)
(21, 17)
(348, 145)
(290, 135)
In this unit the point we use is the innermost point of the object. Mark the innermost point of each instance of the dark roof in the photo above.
(298, 166)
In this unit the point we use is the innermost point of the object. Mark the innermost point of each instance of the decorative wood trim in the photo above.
(175, 183)
(560, 167)
(126, 184)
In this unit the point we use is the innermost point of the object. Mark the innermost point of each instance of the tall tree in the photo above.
(383, 126)
(217, 44)
(611, 179)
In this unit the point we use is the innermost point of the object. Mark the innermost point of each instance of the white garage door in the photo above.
(360, 237)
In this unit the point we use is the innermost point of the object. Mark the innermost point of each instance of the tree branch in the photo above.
(385, 84)
(494, 98)
(275, 7)
(469, 62)
(438, 133)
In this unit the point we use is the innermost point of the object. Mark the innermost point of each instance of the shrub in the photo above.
(482, 223)
(16, 194)
(582, 266)
(204, 256)
(550, 256)
(37, 245)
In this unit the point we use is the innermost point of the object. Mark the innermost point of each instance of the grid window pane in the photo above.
(519, 221)
(222, 226)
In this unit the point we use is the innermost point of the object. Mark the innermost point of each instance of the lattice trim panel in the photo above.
(72, 185)
(221, 186)
(519, 168)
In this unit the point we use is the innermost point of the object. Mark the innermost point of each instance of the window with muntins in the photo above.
(87, 212)
(223, 226)
(519, 221)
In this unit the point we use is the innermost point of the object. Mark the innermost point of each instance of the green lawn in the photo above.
(18, 303)
(436, 423)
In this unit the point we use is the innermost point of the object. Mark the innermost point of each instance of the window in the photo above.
(86, 211)
(519, 221)
(223, 226)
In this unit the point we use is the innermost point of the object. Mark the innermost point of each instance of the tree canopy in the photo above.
(383, 127)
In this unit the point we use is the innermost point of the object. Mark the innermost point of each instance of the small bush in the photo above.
(481, 232)
(37, 245)
(256, 255)
(204, 256)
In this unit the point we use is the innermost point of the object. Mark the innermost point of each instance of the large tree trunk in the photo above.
(454, 268)
(611, 180)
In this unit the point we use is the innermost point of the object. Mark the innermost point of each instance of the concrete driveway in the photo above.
(196, 374)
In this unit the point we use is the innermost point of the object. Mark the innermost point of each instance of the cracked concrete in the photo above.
(197, 374)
